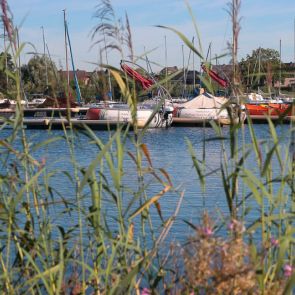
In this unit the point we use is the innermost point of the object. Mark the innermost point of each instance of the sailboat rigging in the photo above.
(68, 41)
(44, 57)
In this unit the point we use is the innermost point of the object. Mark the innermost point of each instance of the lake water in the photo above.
(168, 150)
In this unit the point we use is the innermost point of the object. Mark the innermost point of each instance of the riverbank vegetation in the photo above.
(261, 70)
(109, 236)
(95, 85)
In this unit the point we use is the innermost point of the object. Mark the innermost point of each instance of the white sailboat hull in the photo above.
(202, 115)
(205, 108)
(124, 116)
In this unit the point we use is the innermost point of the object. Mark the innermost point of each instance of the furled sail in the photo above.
(215, 76)
(145, 82)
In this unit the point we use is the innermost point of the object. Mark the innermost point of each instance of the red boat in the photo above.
(273, 110)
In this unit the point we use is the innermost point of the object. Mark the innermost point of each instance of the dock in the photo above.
(260, 119)
(257, 119)
(61, 123)
(189, 122)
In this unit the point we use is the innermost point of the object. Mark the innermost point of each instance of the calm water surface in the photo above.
(168, 150)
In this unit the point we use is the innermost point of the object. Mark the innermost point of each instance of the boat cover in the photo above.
(204, 101)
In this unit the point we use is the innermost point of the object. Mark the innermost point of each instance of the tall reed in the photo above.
(55, 243)
(268, 260)
(90, 254)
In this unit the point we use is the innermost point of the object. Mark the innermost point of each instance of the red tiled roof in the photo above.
(81, 75)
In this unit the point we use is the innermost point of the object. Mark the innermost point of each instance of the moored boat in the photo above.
(205, 108)
(76, 112)
(259, 108)
(268, 109)
(121, 113)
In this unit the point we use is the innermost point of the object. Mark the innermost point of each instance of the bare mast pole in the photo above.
(66, 48)
(280, 73)
(6, 63)
(235, 7)
(19, 68)
(184, 82)
(18, 45)
(259, 67)
(51, 63)
(107, 61)
(194, 71)
(234, 44)
(166, 70)
(44, 56)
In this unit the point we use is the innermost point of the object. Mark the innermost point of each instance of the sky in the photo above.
(263, 23)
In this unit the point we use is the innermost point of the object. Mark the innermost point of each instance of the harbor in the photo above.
(61, 123)
(147, 148)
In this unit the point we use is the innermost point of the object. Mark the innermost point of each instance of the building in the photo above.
(287, 83)
(168, 70)
(224, 71)
(82, 76)
(187, 77)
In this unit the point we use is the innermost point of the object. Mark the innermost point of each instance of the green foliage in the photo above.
(260, 68)
(40, 74)
(6, 66)
(92, 254)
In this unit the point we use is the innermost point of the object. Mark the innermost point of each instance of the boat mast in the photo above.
(184, 82)
(166, 70)
(234, 12)
(234, 43)
(248, 76)
(210, 54)
(194, 71)
(77, 87)
(107, 61)
(51, 63)
(44, 57)
(19, 68)
(18, 45)
(259, 68)
(6, 63)
(66, 48)
(280, 73)
(187, 67)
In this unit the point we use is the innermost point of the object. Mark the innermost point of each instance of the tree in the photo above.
(6, 66)
(40, 75)
(260, 68)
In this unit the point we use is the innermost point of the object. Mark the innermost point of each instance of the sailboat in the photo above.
(259, 108)
(205, 108)
(120, 113)
(64, 105)
(201, 109)
(153, 113)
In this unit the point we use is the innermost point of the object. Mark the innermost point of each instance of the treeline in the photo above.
(40, 76)
(261, 69)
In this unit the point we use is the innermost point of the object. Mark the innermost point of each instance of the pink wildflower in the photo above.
(288, 269)
(231, 226)
(274, 242)
(145, 291)
(208, 231)
(236, 226)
